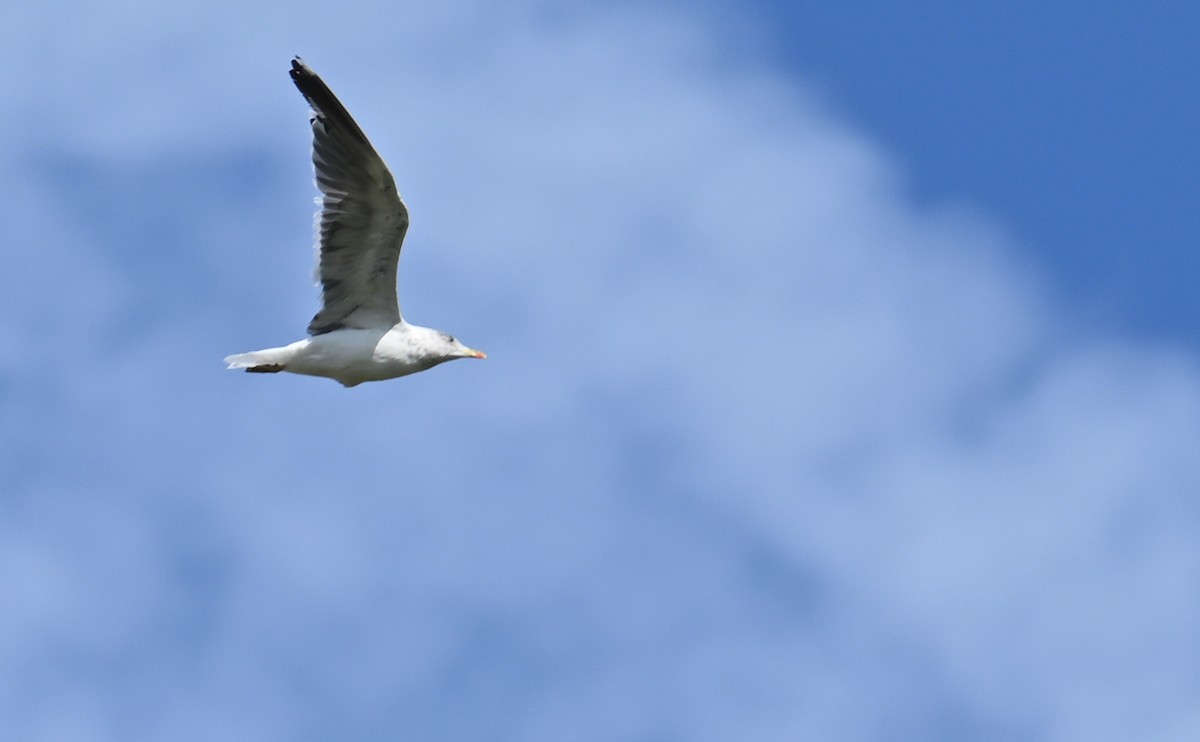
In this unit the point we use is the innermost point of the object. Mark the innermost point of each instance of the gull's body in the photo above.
(358, 335)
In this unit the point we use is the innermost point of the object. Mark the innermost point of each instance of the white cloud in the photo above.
(763, 449)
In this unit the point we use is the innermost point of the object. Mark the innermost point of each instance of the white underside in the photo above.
(350, 356)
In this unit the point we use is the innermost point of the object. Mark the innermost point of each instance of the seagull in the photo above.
(358, 335)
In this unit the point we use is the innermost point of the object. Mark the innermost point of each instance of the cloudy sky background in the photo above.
(810, 412)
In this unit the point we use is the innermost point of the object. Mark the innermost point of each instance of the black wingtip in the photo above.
(323, 102)
(309, 82)
(300, 69)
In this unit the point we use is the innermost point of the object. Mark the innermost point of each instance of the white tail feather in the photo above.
(271, 359)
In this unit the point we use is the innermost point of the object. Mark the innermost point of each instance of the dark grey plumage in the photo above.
(362, 220)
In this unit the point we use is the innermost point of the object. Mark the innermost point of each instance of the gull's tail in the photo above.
(270, 361)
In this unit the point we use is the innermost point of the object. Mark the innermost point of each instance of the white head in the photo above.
(445, 347)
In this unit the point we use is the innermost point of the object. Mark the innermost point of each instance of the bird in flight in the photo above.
(358, 335)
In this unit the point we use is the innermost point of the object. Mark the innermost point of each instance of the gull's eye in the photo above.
(449, 338)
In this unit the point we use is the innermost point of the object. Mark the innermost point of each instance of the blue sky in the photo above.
(1071, 122)
(803, 416)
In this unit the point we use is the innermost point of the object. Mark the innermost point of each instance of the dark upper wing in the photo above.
(362, 219)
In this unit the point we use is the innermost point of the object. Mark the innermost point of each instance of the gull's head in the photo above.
(451, 348)
(429, 347)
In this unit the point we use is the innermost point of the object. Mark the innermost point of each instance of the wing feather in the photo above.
(362, 221)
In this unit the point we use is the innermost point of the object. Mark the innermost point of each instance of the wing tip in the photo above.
(300, 69)
(324, 104)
